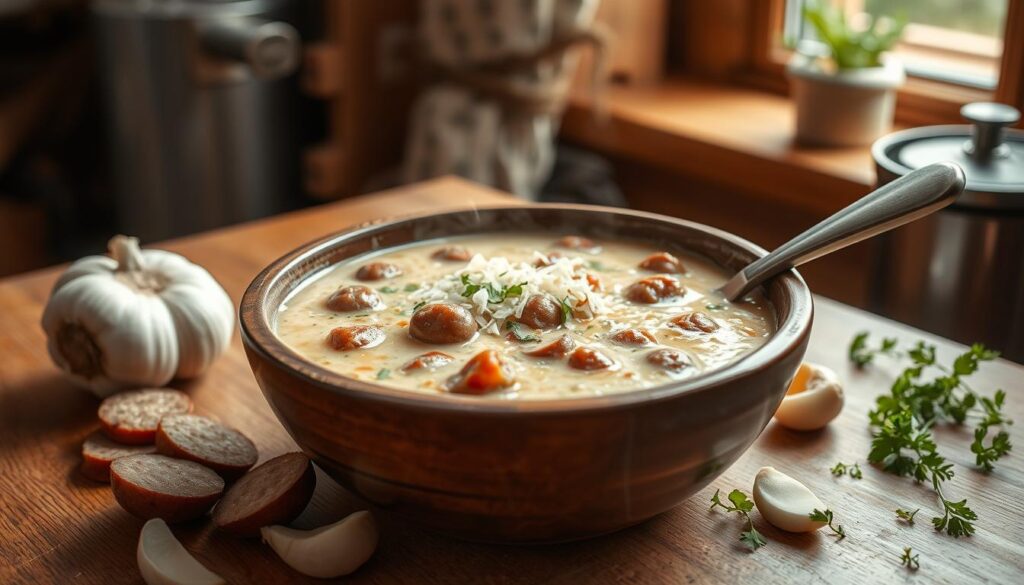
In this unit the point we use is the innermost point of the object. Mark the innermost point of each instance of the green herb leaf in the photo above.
(383, 373)
(515, 329)
(495, 293)
(566, 310)
(862, 355)
(411, 287)
(826, 516)
(752, 538)
(715, 307)
(418, 306)
(841, 468)
(739, 503)
(388, 289)
(901, 439)
(909, 559)
(906, 515)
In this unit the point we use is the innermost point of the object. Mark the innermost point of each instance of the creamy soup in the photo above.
(522, 316)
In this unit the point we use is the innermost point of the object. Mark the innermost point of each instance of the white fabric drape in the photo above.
(454, 129)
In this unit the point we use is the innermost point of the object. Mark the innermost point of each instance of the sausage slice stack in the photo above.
(163, 462)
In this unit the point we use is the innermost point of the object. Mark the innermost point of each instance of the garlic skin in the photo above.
(329, 551)
(163, 561)
(814, 399)
(785, 502)
(137, 318)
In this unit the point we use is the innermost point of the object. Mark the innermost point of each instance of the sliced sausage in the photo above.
(442, 323)
(354, 298)
(205, 441)
(653, 289)
(637, 337)
(576, 243)
(428, 361)
(276, 492)
(668, 359)
(541, 312)
(132, 417)
(99, 451)
(452, 254)
(156, 486)
(584, 358)
(482, 374)
(695, 321)
(378, 271)
(355, 337)
(556, 349)
(662, 262)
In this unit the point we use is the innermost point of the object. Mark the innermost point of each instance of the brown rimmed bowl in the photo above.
(524, 471)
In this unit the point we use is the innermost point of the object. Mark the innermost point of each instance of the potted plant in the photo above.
(845, 85)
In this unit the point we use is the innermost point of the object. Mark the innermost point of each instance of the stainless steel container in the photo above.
(200, 110)
(960, 272)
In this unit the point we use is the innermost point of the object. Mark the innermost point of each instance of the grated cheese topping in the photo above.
(563, 278)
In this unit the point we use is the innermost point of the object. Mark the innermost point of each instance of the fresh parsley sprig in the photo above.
(862, 355)
(902, 442)
(742, 505)
(826, 516)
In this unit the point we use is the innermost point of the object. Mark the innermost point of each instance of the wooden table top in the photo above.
(56, 526)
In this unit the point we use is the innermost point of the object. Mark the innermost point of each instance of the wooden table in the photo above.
(56, 526)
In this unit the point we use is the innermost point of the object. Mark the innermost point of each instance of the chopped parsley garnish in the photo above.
(902, 442)
(843, 469)
(595, 265)
(418, 306)
(715, 307)
(566, 310)
(826, 516)
(388, 289)
(514, 329)
(909, 559)
(383, 373)
(411, 287)
(742, 505)
(495, 293)
(906, 515)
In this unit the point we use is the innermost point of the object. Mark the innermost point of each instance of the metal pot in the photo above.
(960, 272)
(200, 110)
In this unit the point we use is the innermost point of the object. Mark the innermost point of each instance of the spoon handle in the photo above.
(910, 197)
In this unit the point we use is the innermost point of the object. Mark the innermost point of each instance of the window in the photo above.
(953, 41)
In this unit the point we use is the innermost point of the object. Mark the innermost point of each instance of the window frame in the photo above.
(920, 101)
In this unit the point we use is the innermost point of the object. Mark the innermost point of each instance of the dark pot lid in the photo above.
(991, 155)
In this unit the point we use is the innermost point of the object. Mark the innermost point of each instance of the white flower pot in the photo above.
(848, 107)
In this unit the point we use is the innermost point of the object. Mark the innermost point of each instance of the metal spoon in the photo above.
(910, 197)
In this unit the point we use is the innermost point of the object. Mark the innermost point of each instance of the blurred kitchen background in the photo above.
(162, 118)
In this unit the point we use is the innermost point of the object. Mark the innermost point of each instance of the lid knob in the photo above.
(989, 119)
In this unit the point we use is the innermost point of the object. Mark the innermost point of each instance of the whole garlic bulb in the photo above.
(136, 318)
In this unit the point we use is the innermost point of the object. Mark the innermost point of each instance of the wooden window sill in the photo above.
(727, 135)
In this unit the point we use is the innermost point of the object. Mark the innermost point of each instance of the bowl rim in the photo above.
(258, 335)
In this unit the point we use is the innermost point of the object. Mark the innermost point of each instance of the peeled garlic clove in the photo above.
(814, 398)
(785, 502)
(329, 551)
(163, 561)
